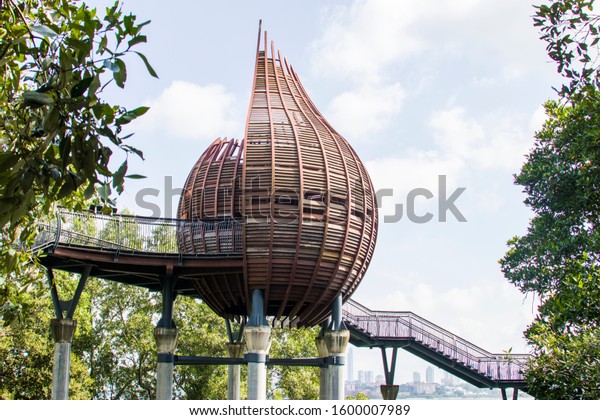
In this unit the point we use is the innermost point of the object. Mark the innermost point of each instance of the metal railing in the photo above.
(136, 234)
(407, 325)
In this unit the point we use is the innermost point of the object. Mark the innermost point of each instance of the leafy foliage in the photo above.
(57, 133)
(358, 396)
(571, 32)
(26, 351)
(114, 351)
(565, 366)
(559, 258)
(295, 383)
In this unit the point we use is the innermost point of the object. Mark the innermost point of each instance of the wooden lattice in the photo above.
(304, 198)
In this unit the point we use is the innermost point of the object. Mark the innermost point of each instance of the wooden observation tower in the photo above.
(302, 195)
(281, 224)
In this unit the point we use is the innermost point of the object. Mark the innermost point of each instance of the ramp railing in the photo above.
(136, 234)
(409, 326)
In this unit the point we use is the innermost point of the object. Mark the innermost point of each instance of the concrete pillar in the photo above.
(389, 392)
(337, 341)
(233, 378)
(258, 342)
(62, 333)
(324, 378)
(166, 342)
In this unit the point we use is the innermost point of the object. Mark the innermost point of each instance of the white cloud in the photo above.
(466, 150)
(493, 141)
(456, 134)
(537, 119)
(189, 111)
(365, 111)
(371, 34)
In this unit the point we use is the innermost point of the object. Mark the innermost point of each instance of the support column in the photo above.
(233, 371)
(323, 370)
(166, 336)
(336, 339)
(62, 333)
(63, 330)
(258, 341)
(389, 391)
(166, 342)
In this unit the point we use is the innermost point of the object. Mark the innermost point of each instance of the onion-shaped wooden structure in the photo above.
(303, 196)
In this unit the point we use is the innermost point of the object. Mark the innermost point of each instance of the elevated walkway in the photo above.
(144, 251)
(434, 344)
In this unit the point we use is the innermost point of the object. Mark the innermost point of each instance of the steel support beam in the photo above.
(389, 391)
(258, 342)
(234, 351)
(63, 329)
(166, 336)
(336, 339)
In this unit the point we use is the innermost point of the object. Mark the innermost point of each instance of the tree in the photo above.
(558, 259)
(26, 349)
(571, 33)
(295, 383)
(57, 133)
(358, 396)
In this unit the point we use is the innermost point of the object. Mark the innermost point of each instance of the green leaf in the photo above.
(131, 149)
(135, 176)
(52, 121)
(81, 87)
(89, 191)
(137, 40)
(132, 115)
(37, 99)
(43, 31)
(104, 191)
(118, 177)
(121, 75)
(148, 66)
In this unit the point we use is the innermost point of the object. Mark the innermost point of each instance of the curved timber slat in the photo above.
(304, 198)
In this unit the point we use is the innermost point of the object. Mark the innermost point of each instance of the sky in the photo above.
(419, 89)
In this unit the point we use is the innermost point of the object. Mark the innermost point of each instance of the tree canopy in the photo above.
(558, 259)
(58, 134)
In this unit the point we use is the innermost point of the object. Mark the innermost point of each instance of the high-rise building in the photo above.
(429, 378)
(416, 377)
(361, 376)
(365, 376)
(447, 380)
(350, 365)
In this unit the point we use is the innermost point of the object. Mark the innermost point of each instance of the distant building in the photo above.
(447, 380)
(424, 389)
(365, 376)
(350, 365)
(429, 377)
(416, 377)
(379, 380)
(361, 377)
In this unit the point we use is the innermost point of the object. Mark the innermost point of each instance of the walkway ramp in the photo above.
(143, 251)
(435, 345)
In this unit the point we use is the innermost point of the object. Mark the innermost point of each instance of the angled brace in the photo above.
(68, 306)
